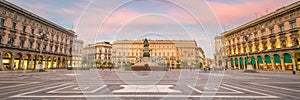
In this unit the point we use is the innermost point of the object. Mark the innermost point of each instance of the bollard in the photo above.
(294, 72)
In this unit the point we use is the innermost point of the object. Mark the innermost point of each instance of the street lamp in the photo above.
(246, 38)
(42, 36)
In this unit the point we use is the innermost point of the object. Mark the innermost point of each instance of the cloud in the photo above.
(199, 18)
(233, 14)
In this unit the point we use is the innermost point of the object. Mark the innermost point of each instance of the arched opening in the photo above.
(298, 61)
(64, 63)
(288, 63)
(70, 62)
(18, 62)
(54, 62)
(27, 62)
(246, 62)
(49, 64)
(241, 63)
(232, 63)
(260, 62)
(58, 62)
(38, 59)
(7, 61)
(253, 62)
(277, 62)
(268, 62)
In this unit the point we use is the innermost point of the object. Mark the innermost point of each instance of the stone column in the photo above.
(273, 64)
(57, 66)
(256, 63)
(46, 62)
(234, 65)
(51, 65)
(294, 62)
(22, 63)
(239, 63)
(31, 65)
(282, 63)
(264, 61)
(245, 63)
(228, 63)
(12, 63)
(1, 63)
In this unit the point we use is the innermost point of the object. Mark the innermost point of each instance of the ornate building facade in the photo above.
(219, 56)
(170, 52)
(77, 53)
(21, 44)
(270, 42)
(97, 53)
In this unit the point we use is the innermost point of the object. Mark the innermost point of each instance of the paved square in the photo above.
(234, 85)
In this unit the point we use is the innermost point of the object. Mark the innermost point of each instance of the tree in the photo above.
(97, 63)
(200, 65)
(131, 64)
(178, 66)
(183, 64)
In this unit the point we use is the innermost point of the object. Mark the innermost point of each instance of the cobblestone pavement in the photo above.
(95, 84)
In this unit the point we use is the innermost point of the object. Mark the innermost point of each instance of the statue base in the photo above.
(145, 66)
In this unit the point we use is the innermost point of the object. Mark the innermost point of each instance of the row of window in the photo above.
(30, 45)
(272, 31)
(295, 42)
(2, 24)
(16, 17)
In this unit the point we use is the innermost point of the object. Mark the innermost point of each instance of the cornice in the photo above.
(278, 12)
(33, 16)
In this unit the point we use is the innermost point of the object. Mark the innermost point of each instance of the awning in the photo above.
(241, 61)
(246, 60)
(260, 61)
(287, 58)
(277, 59)
(268, 59)
(253, 60)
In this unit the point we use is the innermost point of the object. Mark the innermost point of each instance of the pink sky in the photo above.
(199, 20)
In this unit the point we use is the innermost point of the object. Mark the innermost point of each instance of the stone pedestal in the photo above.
(146, 64)
(146, 59)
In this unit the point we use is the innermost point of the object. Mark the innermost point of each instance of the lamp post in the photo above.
(42, 36)
(246, 38)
